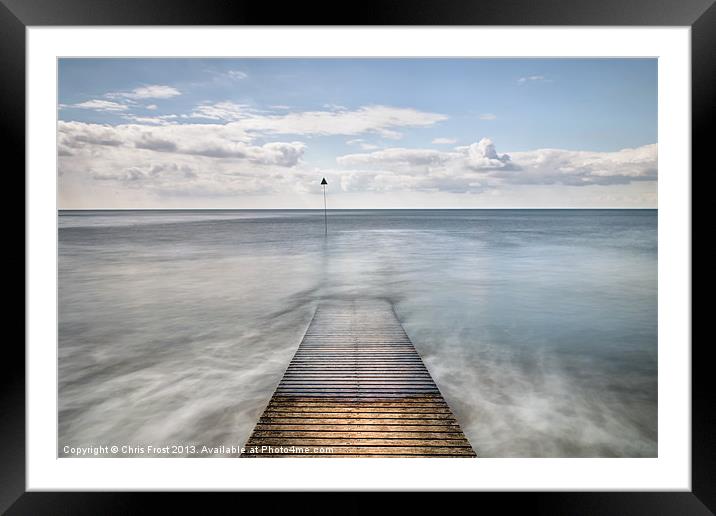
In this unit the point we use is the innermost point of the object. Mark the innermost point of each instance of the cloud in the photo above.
(375, 181)
(233, 158)
(151, 141)
(127, 99)
(191, 161)
(531, 78)
(98, 105)
(478, 156)
(358, 180)
(73, 136)
(362, 144)
(584, 168)
(479, 167)
(381, 120)
(397, 156)
(153, 91)
(389, 134)
(237, 75)
(444, 141)
(149, 172)
(211, 141)
(222, 111)
(488, 116)
(153, 120)
(483, 156)
(278, 153)
(127, 175)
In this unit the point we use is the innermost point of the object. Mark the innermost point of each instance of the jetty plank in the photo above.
(357, 387)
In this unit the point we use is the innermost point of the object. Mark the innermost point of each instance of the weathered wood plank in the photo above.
(292, 434)
(359, 428)
(273, 414)
(352, 421)
(357, 387)
(334, 409)
(362, 442)
(422, 451)
(357, 405)
(352, 455)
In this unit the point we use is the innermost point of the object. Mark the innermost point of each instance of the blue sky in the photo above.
(387, 132)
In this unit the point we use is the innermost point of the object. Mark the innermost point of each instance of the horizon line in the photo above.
(353, 209)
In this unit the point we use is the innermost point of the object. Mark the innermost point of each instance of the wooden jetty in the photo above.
(357, 387)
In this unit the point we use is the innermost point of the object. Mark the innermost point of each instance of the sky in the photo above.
(385, 133)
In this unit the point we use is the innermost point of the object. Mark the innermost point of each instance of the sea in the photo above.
(538, 326)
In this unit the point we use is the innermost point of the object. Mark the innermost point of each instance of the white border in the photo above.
(670, 471)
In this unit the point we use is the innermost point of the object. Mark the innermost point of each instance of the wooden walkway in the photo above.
(357, 387)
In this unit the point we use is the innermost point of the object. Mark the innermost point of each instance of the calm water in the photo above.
(539, 326)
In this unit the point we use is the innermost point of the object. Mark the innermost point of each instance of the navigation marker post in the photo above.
(325, 214)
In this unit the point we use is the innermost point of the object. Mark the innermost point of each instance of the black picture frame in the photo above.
(17, 15)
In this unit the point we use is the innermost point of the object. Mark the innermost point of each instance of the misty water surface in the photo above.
(539, 326)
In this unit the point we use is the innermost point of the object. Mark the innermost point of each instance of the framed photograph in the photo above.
(444, 248)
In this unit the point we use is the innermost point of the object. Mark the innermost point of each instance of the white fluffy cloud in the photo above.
(127, 99)
(153, 91)
(479, 167)
(120, 164)
(483, 156)
(382, 120)
(581, 168)
(480, 156)
(223, 111)
(207, 140)
(99, 105)
(155, 155)
(405, 158)
(152, 120)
